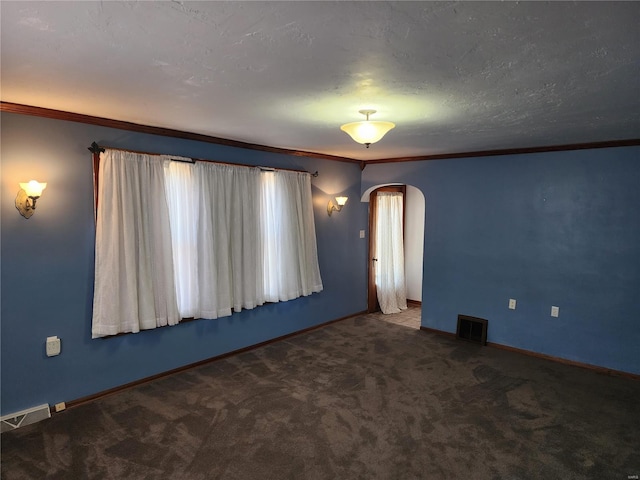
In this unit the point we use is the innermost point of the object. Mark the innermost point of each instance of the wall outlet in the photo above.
(53, 346)
(361, 233)
(555, 311)
(512, 304)
(60, 406)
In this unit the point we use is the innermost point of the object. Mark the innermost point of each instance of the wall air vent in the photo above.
(472, 329)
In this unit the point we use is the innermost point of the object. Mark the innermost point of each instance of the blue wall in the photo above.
(47, 267)
(560, 228)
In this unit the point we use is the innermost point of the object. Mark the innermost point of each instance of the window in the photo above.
(179, 240)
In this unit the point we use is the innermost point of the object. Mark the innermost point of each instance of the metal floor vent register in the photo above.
(24, 417)
(472, 329)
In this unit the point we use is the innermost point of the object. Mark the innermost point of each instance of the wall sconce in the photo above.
(27, 196)
(367, 131)
(340, 203)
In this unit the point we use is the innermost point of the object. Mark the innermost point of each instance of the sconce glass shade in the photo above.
(367, 131)
(341, 201)
(27, 195)
(33, 188)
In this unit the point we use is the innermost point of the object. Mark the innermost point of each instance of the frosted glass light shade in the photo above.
(27, 195)
(367, 131)
(33, 188)
(340, 202)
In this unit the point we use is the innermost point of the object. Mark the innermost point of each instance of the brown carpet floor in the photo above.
(359, 399)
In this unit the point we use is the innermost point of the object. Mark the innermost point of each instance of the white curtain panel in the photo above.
(184, 210)
(134, 285)
(272, 229)
(390, 278)
(303, 224)
(290, 249)
(229, 239)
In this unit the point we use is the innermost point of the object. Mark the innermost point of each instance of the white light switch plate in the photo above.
(555, 311)
(361, 233)
(53, 346)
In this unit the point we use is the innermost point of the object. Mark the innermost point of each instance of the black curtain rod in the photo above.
(96, 149)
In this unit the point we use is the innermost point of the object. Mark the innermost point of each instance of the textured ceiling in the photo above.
(453, 76)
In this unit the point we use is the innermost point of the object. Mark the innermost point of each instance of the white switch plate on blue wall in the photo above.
(53, 346)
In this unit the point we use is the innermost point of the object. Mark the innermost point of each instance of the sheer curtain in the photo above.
(390, 279)
(184, 208)
(182, 240)
(134, 287)
(290, 249)
(229, 239)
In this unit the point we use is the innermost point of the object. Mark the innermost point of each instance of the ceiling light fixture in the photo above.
(368, 131)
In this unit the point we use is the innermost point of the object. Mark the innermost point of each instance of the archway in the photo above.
(413, 241)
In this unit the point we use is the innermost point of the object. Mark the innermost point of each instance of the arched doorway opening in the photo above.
(414, 231)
